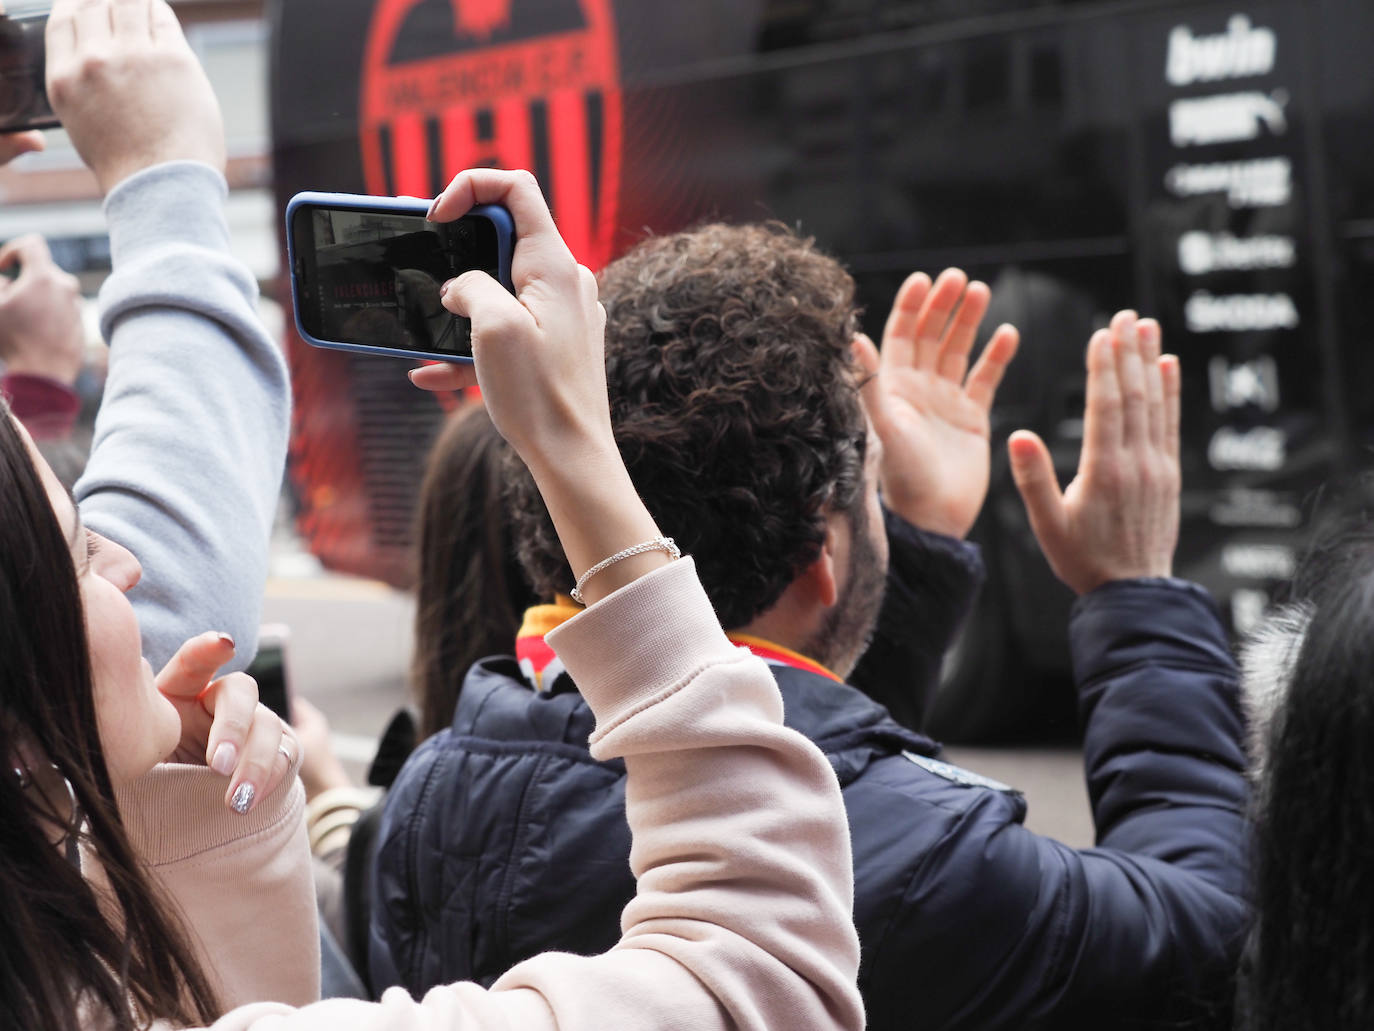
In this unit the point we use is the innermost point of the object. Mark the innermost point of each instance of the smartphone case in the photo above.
(498, 216)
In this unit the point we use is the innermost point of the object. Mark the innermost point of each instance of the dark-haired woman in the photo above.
(154, 870)
(470, 591)
(1309, 678)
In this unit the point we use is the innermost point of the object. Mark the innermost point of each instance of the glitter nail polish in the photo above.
(242, 798)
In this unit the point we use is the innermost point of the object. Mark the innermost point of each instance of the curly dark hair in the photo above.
(735, 405)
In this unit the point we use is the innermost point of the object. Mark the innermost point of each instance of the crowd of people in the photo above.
(710, 529)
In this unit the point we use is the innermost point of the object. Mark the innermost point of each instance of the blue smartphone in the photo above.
(366, 272)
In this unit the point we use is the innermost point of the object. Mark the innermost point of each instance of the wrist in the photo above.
(598, 514)
(1102, 577)
(935, 524)
(181, 201)
(577, 468)
(932, 510)
(927, 517)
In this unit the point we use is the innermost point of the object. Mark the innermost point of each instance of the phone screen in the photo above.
(23, 92)
(373, 277)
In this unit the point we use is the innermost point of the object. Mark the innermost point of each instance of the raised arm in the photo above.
(742, 918)
(1150, 922)
(190, 441)
(931, 412)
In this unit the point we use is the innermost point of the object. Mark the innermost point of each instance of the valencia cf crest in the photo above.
(454, 84)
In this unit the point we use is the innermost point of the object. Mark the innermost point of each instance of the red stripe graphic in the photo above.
(460, 143)
(568, 153)
(410, 156)
(511, 146)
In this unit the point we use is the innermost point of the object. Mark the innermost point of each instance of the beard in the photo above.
(848, 627)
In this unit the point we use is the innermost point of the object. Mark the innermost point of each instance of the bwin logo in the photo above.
(1239, 52)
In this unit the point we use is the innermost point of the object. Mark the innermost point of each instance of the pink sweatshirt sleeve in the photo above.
(242, 884)
(741, 848)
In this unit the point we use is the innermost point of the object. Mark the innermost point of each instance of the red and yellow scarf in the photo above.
(542, 667)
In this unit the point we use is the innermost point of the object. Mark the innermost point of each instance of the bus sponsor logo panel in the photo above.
(1228, 245)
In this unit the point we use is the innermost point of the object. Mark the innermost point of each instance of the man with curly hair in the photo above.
(804, 471)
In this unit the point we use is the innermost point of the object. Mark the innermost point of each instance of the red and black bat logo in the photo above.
(454, 84)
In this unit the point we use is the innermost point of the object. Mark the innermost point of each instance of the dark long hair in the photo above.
(1310, 959)
(66, 951)
(472, 591)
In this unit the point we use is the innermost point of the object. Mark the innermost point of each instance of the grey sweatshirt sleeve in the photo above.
(190, 442)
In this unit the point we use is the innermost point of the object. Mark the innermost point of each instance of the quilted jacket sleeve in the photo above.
(1004, 928)
(932, 581)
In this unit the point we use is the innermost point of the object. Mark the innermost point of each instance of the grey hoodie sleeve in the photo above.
(190, 442)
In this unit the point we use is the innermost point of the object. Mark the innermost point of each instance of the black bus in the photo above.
(1209, 163)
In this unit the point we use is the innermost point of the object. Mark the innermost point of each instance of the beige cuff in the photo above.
(330, 816)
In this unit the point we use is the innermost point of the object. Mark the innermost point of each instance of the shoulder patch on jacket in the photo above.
(959, 775)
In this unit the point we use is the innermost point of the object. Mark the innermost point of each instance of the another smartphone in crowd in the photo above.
(23, 91)
(269, 669)
(366, 272)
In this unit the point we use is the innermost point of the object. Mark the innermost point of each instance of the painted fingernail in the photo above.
(443, 290)
(433, 208)
(225, 756)
(242, 798)
(226, 639)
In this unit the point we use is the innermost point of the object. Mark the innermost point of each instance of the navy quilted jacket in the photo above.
(503, 838)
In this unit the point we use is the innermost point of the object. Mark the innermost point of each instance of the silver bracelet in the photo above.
(657, 544)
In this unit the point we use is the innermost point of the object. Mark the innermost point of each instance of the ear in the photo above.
(819, 579)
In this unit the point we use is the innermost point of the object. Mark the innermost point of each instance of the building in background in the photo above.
(52, 193)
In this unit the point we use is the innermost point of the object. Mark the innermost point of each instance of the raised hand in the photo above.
(539, 357)
(128, 88)
(223, 725)
(41, 333)
(931, 417)
(1118, 519)
(544, 344)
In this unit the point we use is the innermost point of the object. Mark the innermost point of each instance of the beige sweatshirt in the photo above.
(741, 850)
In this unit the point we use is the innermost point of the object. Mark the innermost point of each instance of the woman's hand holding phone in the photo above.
(540, 360)
(545, 343)
(223, 725)
(128, 89)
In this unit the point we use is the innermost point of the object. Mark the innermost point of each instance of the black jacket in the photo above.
(503, 838)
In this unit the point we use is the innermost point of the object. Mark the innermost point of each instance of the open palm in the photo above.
(930, 412)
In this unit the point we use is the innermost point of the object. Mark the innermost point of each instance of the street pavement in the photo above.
(350, 649)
